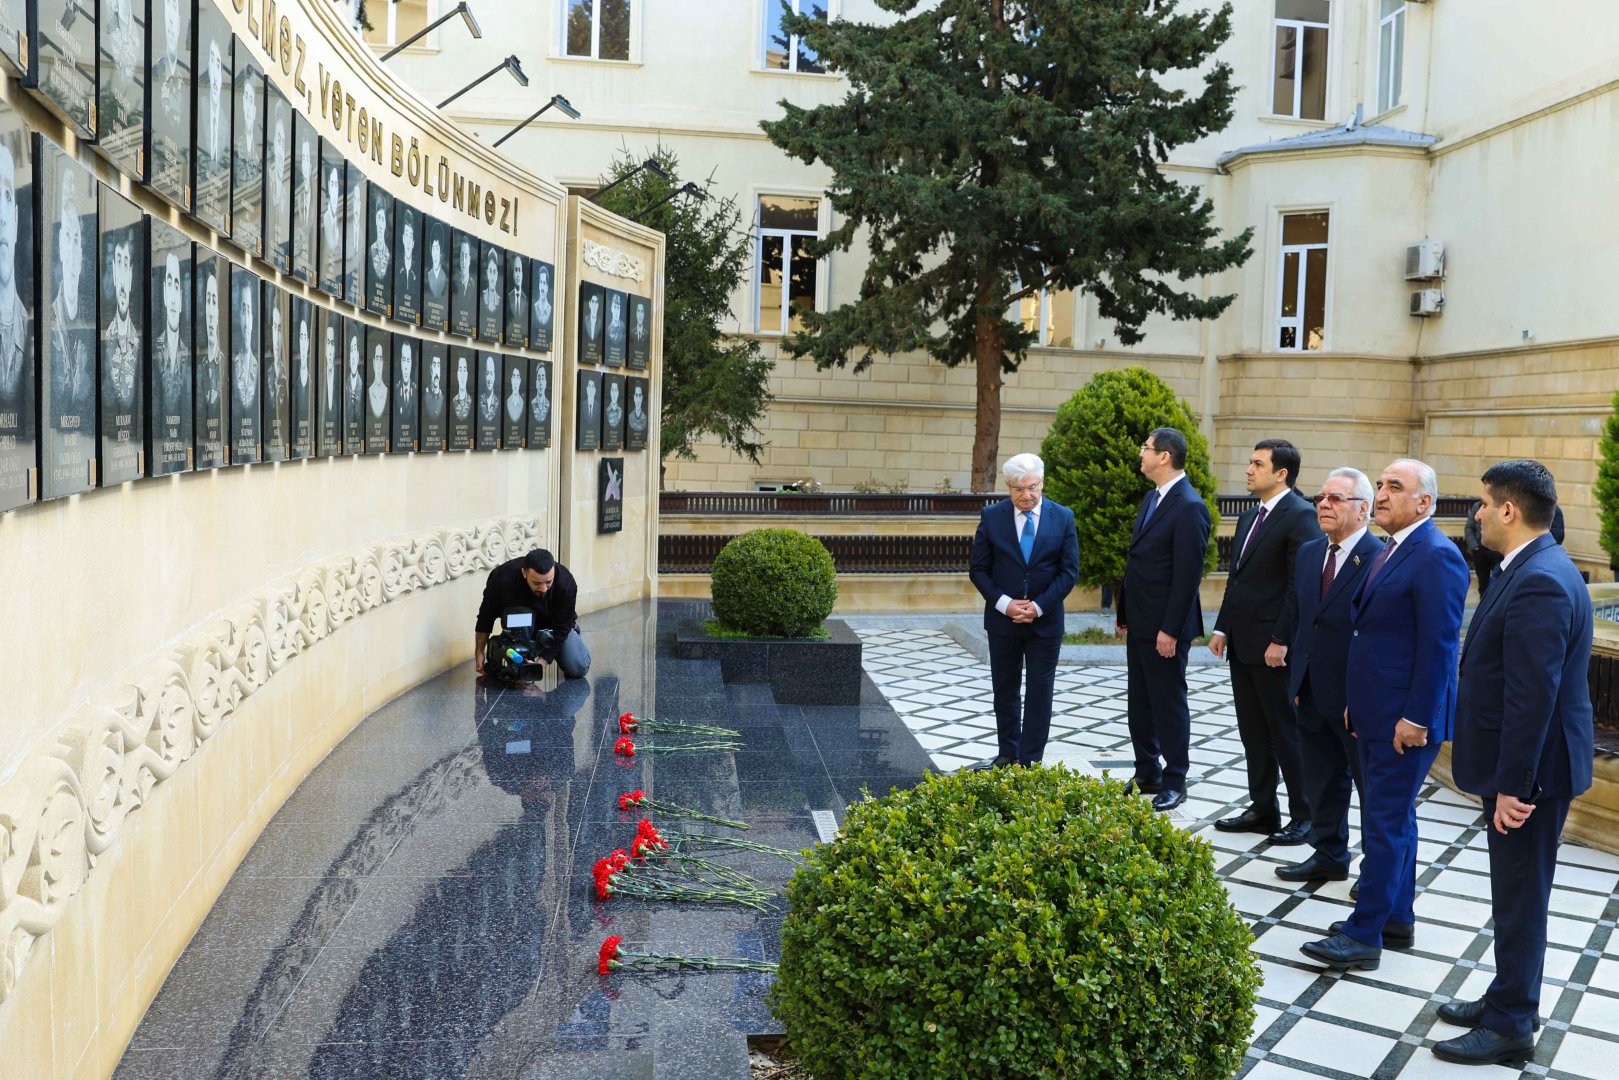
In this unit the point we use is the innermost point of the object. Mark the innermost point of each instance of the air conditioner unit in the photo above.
(1426, 302)
(1425, 260)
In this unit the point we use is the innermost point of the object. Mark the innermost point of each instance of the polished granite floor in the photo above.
(423, 907)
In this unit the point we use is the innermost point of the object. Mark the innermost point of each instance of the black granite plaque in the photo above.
(211, 389)
(247, 156)
(245, 352)
(610, 496)
(123, 356)
(302, 377)
(587, 429)
(305, 188)
(617, 334)
(407, 404)
(67, 377)
(612, 437)
(463, 405)
(169, 395)
(464, 286)
(275, 406)
(329, 234)
(636, 420)
(489, 400)
(353, 387)
(64, 62)
(211, 191)
(592, 318)
(19, 345)
(379, 252)
(437, 238)
(539, 404)
(435, 396)
(121, 88)
(378, 348)
(517, 300)
(168, 59)
(277, 179)
(514, 404)
(329, 426)
(407, 263)
(354, 218)
(639, 352)
(542, 286)
(491, 299)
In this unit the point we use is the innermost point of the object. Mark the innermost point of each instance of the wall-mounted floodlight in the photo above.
(558, 102)
(688, 188)
(460, 9)
(509, 64)
(650, 165)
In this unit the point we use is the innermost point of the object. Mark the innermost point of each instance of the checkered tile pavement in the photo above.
(1376, 1024)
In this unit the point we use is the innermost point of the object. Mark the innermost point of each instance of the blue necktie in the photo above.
(1157, 497)
(1026, 541)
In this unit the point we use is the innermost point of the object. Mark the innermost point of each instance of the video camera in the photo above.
(513, 655)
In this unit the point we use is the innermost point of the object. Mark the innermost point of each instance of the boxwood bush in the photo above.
(774, 583)
(1020, 923)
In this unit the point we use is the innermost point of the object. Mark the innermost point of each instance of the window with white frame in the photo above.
(1301, 316)
(1299, 85)
(787, 275)
(1047, 314)
(393, 21)
(597, 29)
(784, 51)
(1390, 53)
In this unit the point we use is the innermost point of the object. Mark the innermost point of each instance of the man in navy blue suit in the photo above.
(1329, 571)
(1025, 560)
(1523, 743)
(1405, 626)
(1160, 614)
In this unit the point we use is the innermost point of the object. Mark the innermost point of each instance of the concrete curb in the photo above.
(975, 641)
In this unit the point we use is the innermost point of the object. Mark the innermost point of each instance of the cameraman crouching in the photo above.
(536, 581)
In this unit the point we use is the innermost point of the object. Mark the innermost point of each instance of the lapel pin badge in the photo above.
(1357, 560)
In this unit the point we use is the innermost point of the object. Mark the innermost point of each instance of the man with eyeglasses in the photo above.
(1160, 614)
(1025, 559)
(1328, 571)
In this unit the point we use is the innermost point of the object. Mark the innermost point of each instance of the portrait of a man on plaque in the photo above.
(435, 396)
(354, 211)
(169, 391)
(247, 156)
(517, 303)
(305, 185)
(329, 238)
(612, 437)
(539, 404)
(18, 428)
(353, 387)
(589, 422)
(211, 194)
(169, 62)
(407, 263)
(65, 61)
(542, 276)
(16, 52)
(379, 252)
(640, 347)
(210, 389)
(278, 180)
(490, 372)
(275, 408)
(378, 346)
(617, 333)
(592, 319)
(407, 393)
(514, 407)
(464, 286)
(244, 366)
(491, 301)
(436, 274)
(301, 377)
(121, 89)
(68, 324)
(463, 406)
(636, 420)
(123, 299)
(329, 428)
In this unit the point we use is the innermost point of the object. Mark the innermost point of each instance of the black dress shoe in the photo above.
(1354, 890)
(1467, 1014)
(1340, 952)
(1168, 800)
(1316, 868)
(1137, 786)
(988, 764)
(1248, 821)
(1295, 833)
(1481, 1046)
(1395, 936)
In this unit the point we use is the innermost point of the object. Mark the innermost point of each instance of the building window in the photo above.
(597, 29)
(1390, 54)
(397, 21)
(787, 274)
(1048, 315)
(1301, 319)
(787, 52)
(1300, 84)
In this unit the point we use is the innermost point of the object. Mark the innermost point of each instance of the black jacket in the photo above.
(1165, 567)
(555, 610)
(1260, 607)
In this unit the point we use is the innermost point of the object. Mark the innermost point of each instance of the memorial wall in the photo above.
(287, 363)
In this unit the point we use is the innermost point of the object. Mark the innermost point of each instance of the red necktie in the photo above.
(1330, 569)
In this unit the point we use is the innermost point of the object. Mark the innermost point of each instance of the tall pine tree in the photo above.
(989, 149)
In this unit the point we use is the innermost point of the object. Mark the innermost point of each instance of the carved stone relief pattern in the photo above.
(612, 261)
(61, 810)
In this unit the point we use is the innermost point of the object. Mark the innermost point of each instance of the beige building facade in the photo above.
(1361, 127)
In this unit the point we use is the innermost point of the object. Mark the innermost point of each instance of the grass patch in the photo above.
(1097, 635)
(714, 630)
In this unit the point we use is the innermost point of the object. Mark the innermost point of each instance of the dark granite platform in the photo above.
(422, 906)
(800, 671)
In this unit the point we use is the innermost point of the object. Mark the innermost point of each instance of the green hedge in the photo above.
(774, 583)
(1020, 923)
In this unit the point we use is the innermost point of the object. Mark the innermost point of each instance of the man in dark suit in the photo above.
(1329, 571)
(1160, 614)
(1025, 559)
(1255, 626)
(1405, 624)
(1522, 743)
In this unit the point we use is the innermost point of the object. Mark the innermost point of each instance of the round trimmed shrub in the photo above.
(774, 583)
(1021, 923)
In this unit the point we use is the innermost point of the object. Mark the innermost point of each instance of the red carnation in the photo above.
(625, 745)
(619, 859)
(631, 798)
(626, 723)
(608, 959)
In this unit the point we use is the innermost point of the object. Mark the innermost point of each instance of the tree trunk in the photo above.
(988, 349)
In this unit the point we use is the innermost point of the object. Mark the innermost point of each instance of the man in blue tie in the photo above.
(1025, 560)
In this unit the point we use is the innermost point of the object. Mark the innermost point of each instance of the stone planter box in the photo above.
(1593, 818)
(800, 671)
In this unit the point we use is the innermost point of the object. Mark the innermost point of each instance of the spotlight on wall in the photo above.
(650, 165)
(509, 64)
(558, 102)
(460, 9)
(688, 188)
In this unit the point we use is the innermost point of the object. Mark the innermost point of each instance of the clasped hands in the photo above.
(1022, 611)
